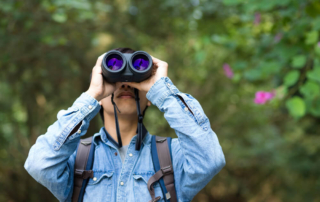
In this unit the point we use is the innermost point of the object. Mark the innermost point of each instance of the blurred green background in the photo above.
(220, 51)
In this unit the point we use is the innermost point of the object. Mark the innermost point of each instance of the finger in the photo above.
(97, 69)
(159, 63)
(118, 85)
(154, 69)
(155, 60)
(99, 60)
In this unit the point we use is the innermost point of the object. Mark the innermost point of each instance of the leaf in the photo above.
(314, 74)
(315, 108)
(299, 61)
(291, 78)
(311, 37)
(236, 77)
(59, 17)
(200, 56)
(296, 107)
(310, 90)
(239, 65)
(268, 68)
(252, 74)
(316, 24)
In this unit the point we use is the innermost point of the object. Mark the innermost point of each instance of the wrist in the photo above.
(94, 95)
(154, 81)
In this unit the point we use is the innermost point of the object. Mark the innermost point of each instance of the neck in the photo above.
(127, 125)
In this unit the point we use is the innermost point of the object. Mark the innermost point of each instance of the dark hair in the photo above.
(122, 50)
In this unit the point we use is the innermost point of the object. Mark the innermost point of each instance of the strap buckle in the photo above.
(168, 196)
(167, 170)
(86, 143)
(161, 140)
(84, 174)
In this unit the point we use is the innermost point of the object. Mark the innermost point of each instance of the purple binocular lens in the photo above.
(114, 62)
(140, 62)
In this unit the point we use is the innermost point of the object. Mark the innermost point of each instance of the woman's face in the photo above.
(124, 98)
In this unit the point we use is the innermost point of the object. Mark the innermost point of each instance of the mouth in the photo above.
(126, 95)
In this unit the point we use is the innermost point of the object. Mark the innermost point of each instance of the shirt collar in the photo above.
(106, 137)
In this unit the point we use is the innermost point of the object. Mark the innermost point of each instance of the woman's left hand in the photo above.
(159, 69)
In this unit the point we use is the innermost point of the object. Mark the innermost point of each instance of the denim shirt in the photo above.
(196, 153)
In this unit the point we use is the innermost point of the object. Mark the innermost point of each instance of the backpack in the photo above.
(162, 162)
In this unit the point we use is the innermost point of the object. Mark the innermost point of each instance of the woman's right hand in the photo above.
(99, 88)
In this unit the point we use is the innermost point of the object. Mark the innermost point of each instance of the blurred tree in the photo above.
(221, 52)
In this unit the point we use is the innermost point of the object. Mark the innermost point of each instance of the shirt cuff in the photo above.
(84, 107)
(90, 106)
(160, 90)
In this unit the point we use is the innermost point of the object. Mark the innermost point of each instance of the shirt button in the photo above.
(115, 153)
(121, 183)
(90, 107)
(168, 84)
(94, 179)
(79, 131)
(130, 154)
(186, 109)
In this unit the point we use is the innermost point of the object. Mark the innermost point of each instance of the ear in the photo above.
(148, 103)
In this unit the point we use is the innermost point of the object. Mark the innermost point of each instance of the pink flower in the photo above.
(262, 97)
(277, 38)
(257, 18)
(227, 70)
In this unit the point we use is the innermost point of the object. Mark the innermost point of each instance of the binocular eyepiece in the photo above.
(126, 67)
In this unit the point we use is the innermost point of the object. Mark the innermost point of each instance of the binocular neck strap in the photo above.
(116, 120)
(140, 119)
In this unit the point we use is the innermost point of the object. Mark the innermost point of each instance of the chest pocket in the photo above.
(140, 189)
(100, 187)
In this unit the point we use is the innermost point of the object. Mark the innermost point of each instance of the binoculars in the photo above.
(126, 67)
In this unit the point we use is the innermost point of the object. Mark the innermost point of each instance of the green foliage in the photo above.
(299, 61)
(310, 90)
(48, 49)
(291, 78)
(282, 33)
(314, 74)
(296, 107)
(312, 38)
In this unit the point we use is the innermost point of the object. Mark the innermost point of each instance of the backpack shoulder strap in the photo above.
(161, 156)
(82, 168)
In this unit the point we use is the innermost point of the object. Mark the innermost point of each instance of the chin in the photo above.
(128, 109)
(128, 114)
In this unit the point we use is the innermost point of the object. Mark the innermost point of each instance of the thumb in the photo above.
(118, 85)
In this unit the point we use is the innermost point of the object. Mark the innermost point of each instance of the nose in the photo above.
(125, 86)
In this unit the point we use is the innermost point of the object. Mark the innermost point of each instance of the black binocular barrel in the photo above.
(130, 67)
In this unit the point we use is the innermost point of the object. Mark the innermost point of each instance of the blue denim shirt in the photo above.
(196, 153)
